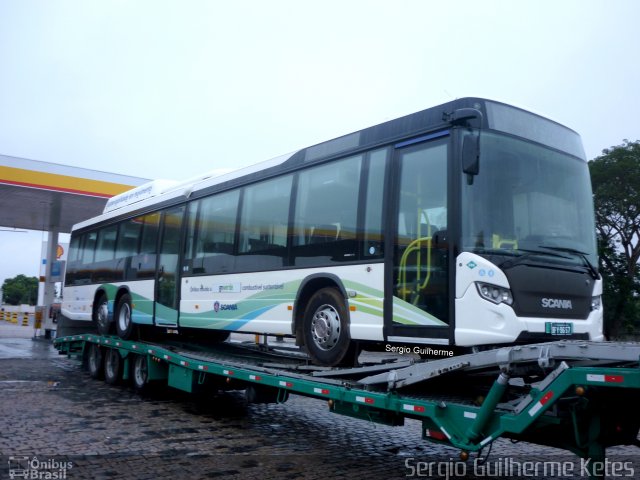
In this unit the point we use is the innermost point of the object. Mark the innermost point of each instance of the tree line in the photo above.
(20, 290)
(615, 176)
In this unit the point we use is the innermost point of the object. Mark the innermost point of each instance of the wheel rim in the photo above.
(140, 371)
(325, 327)
(103, 315)
(124, 318)
(93, 359)
(112, 364)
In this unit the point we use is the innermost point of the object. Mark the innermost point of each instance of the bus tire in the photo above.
(326, 329)
(95, 361)
(101, 315)
(124, 323)
(112, 366)
(140, 373)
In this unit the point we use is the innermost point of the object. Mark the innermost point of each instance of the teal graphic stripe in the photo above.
(234, 315)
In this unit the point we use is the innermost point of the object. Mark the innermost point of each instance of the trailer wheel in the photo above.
(326, 329)
(112, 367)
(101, 315)
(140, 373)
(95, 361)
(124, 325)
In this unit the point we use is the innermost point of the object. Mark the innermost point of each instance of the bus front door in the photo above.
(420, 296)
(167, 271)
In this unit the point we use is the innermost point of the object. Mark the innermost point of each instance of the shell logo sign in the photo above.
(58, 265)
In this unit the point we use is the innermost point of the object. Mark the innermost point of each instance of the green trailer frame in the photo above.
(579, 396)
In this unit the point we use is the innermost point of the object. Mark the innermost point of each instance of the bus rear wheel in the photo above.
(326, 329)
(101, 315)
(124, 325)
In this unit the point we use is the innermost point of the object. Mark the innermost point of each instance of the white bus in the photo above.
(467, 224)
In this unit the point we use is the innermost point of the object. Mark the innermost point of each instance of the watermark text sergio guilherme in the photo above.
(510, 467)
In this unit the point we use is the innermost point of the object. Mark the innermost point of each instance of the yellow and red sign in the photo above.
(59, 182)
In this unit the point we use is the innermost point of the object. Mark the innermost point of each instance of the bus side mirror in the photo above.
(471, 154)
(469, 118)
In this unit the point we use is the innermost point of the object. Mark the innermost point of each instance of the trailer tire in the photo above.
(326, 329)
(140, 373)
(95, 361)
(124, 324)
(101, 315)
(112, 367)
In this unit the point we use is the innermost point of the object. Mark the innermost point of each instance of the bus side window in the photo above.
(127, 247)
(326, 213)
(144, 263)
(88, 251)
(373, 238)
(104, 270)
(213, 239)
(263, 225)
(189, 245)
(74, 260)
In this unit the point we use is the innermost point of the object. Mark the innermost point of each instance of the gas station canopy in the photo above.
(45, 196)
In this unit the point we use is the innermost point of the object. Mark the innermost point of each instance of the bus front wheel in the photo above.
(326, 329)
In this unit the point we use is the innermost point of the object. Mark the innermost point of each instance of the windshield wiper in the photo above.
(583, 255)
(525, 256)
(495, 251)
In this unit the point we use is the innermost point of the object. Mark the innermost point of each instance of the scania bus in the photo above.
(468, 224)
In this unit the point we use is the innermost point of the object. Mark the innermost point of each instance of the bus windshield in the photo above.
(529, 200)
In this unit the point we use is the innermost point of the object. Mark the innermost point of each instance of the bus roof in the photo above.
(495, 115)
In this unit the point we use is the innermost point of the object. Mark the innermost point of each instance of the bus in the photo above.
(469, 224)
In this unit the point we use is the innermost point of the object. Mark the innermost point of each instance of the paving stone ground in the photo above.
(53, 412)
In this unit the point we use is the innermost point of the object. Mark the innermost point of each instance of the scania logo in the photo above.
(556, 303)
(217, 306)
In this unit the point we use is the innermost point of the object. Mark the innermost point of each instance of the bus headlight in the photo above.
(596, 302)
(494, 293)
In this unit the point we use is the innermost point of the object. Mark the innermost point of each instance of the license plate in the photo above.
(555, 328)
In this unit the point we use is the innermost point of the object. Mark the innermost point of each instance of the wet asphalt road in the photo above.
(53, 413)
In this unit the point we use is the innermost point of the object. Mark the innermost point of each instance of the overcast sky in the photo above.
(170, 89)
